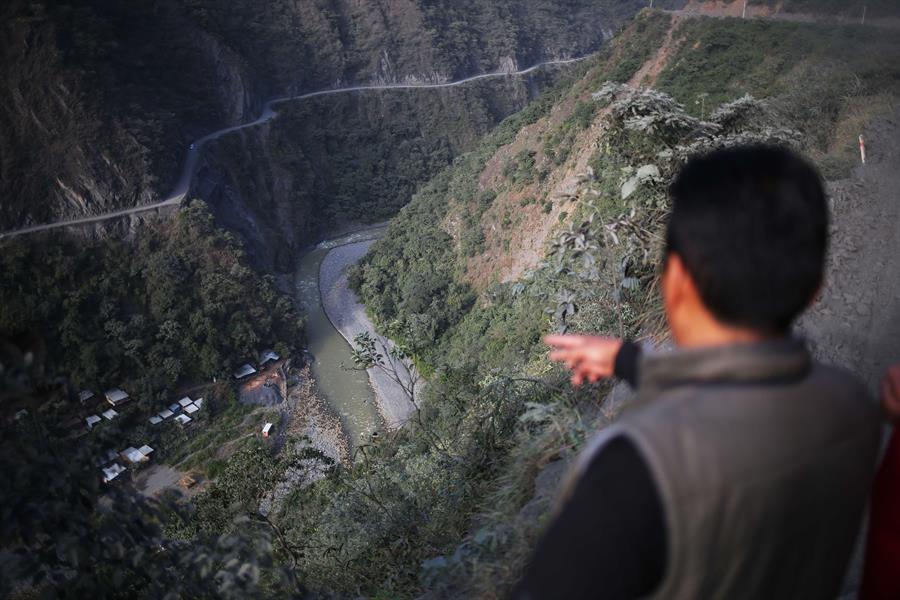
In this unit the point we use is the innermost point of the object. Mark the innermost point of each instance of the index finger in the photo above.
(565, 341)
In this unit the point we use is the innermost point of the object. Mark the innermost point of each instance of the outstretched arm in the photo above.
(592, 358)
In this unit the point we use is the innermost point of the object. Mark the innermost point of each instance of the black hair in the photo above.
(750, 224)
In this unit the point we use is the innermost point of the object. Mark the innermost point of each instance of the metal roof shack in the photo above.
(165, 414)
(267, 357)
(132, 455)
(266, 428)
(191, 408)
(91, 421)
(174, 407)
(85, 395)
(112, 471)
(198, 402)
(145, 450)
(244, 371)
(110, 414)
(116, 396)
(183, 419)
(155, 420)
(185, 401)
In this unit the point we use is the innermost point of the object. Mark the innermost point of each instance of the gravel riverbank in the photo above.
(349, 317)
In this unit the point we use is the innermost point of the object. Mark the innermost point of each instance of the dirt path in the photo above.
(856, 323)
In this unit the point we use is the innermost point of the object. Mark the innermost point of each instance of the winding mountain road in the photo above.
(268, 113)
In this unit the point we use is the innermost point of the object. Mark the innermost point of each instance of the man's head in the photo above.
(746, 243)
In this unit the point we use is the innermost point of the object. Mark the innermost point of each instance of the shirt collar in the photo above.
(772, 360)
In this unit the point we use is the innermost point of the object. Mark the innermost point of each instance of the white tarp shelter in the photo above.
(133, 455)
(244, 371)
(116, 396)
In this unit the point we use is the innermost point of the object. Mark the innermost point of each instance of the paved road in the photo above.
(268, 113)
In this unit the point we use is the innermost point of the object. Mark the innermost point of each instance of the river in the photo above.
(347, 391)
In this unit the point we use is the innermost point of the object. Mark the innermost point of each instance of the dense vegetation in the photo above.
(481, 347)
(179, 306)
(355, 157)
(826, 79)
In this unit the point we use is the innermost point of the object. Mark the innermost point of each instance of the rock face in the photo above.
(100, 102)
(102, 98)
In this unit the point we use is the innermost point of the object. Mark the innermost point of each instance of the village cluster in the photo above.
(183, 412)
(109, 463)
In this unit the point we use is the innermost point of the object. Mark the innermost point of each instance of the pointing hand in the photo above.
(591, 358)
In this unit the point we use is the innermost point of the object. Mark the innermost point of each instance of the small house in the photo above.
(110, 414)
(145, 450)
(183, 419)
(191, 408)
(267, 357)
(116, 396)
(185, 401)
(165, 414)
(266, 429)
(244, 371)
(92, 420)
(132, 455)
(112, 471)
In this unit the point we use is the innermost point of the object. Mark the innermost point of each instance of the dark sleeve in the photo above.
(627, 360)
(609, 541)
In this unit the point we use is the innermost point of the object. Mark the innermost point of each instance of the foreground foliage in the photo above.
(180, 305)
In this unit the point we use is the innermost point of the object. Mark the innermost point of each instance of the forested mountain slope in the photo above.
(102, 98)
(554, 222)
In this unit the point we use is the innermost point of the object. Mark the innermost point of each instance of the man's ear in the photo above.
(817, 295)
(673, 279)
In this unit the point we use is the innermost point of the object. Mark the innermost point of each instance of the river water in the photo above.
(347, 391)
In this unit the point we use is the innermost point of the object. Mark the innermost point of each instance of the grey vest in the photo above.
(763, 461)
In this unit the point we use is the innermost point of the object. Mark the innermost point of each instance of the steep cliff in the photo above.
(103, 98)
(100, 102)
